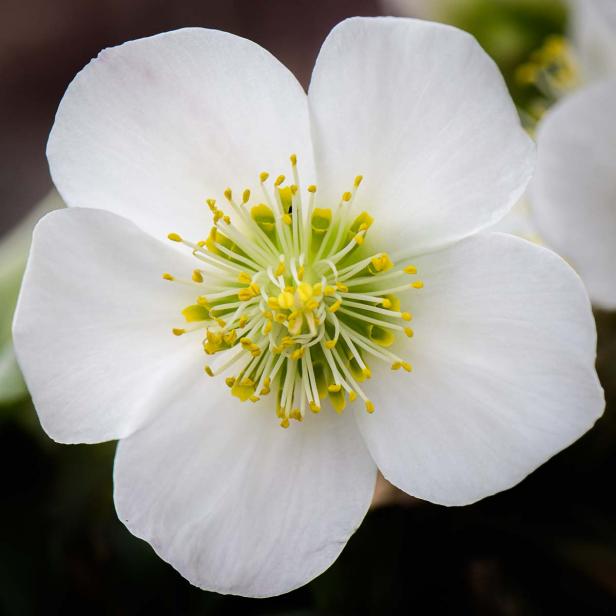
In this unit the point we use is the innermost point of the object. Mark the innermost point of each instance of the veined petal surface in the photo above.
(234, 502)
(423, 113)
(92, 327)
(503, 378)
(152, 128)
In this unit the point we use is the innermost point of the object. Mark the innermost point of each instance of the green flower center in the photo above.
(289, 298)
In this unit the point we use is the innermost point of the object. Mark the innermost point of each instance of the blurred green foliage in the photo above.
(509, 30)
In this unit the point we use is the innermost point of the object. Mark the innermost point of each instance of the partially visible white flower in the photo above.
(303, 301)
(574, 189)
(573, 194)
(13, 255)
(593, 33)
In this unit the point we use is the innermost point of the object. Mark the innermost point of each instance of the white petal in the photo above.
(594, 37)
(92, 329)
(503, 378)
(423, 113)
(574, 191)
(236, 503)
(151, 128)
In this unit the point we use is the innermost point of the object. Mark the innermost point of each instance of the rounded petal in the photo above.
(152, 128)
(503, 378)
(92, 327)
(423, 113)
(593, 25)
(236, 503)
(574, 190)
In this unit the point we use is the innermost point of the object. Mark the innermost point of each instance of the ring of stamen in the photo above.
(289, 298)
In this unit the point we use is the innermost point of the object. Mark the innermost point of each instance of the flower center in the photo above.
(289, 297)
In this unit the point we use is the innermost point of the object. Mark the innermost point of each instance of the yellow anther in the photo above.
(386, 303)
(408, 331)
(208, 371)
(406, 316)
(254, 398)
(263, 176)
(313, 304)
(357, 181)
(286, 218)
(407, 366)
(298, 353)
(314, 407)
(280, 269)
(527, 74)
(280, 318)
(167, 276)
(410, 269)
(267, 328)
(293, 188)
(195, 313)
(342, 287)
(243, 321)
(381, 263)
(174, 237)
(352, 396)
(284, 423)
(286, 300)
(300, 272)
(227, 219)
(317, 288)
(329, 291)
(346, 197)
(221, 322)
(418, 284)
(211, 204)
(396, 365)
(367, 372)
(255, 288)
(246, 294)
(334, 388)
(228, 194)
(244, 278)
(335, 305)
(279, 180)
(230, 337)
(305, 291)
(330, 344)
(197, 276)
(202, 301)
(178, 331)
(359, 239)
(245, 196)
(369, 406)
(230, 381)
(293, 159)
(295, 414)
(218, 214)
(312, 188)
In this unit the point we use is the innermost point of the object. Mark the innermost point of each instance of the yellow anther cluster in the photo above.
(290, 300)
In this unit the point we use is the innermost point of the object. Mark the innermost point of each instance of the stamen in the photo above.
(276, 301)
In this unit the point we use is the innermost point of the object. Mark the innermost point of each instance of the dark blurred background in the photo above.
(547, 546)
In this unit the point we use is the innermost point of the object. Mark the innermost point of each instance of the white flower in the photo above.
(504, 349)
(573, 194)
(593, 32)
(574, 190)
